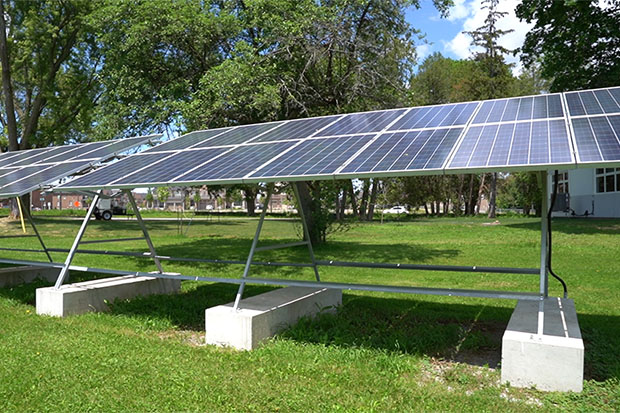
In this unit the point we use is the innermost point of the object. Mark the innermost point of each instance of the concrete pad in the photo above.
(11, 276)
(552, 361)
(264, 315)
(92, 295)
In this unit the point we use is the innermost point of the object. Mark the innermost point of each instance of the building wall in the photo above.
(584, 197)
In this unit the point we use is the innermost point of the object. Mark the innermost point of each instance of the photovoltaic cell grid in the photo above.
(490, 135)
(24, 171)
(514, 144)
(595, 119)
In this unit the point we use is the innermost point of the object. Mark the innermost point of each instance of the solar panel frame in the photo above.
(60, 169)
(540, 124)
(588, 152)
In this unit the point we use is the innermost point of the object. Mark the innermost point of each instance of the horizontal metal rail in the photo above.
(168, 258)
(99, 241)
(17, 236)
(510, 295)
(20, 249)
(458, 268)
(448, 268)
(278, 246)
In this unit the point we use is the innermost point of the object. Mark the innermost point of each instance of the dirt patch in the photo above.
(192, 338)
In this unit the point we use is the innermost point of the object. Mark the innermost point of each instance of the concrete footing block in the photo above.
(11, 276)
(552, 361)
(264, 315)
(92, 295)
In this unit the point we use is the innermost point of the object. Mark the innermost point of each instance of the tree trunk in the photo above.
(364, 202)
(308, 205)
(425, 209)
(492, 195)
(470, 202)
(7, 86)
(250, 201)
(343, 203)
(353, 200)
(480, 192)
(373, 199)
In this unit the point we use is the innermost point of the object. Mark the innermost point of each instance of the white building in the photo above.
(591, 192)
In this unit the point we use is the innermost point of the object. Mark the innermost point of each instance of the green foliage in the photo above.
(155, 55)
(386, 352)
(52, 63)
(576, 43)
(521, 190)
(163, 193)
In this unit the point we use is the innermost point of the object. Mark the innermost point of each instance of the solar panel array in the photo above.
(24, 171)
(536, 133)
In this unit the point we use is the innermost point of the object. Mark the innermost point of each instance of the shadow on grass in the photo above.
(575, 226)
(467, 333)
(237, 249)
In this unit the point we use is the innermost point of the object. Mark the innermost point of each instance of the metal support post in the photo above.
(132, 201)
(304, 223)
(544, 246)
(26, 212)
(246, 270)
(65, 268)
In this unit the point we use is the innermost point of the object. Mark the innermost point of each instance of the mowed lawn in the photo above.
(381, 352)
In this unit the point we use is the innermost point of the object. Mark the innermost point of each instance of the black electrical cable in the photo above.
(553, 196)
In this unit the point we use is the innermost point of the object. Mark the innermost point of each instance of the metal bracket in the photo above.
(136, 211)
(65, 268)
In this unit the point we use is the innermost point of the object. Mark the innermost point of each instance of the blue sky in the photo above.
(446, 35)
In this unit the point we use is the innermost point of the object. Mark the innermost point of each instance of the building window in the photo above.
(607, 180)
(562, 182)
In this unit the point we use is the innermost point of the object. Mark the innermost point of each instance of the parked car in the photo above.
(397, 209)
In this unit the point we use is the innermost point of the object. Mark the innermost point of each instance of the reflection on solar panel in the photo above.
(239, 135)
(187, 141)
(24, 171)
(514, 143)
(595, 121)
(314, 157)
(177, 164)
(436, 116)
(536, 133)
(362, 123)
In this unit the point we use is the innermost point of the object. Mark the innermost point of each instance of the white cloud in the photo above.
(423, 50)
(473, 15)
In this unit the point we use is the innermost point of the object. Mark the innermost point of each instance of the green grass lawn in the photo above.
(380, 352)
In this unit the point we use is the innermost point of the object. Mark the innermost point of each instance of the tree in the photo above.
(156, 53)
(495, 69)
(163, 193)
(197, 198)
(576, 43)
(149, 198)
(48, 63)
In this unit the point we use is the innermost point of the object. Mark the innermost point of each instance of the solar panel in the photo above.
(30, 169)
(297, 129)
(237, 163)
(523, 133)
(239, 135)
(187, 141)
(118, 170)
(33, 181)
(408, 151)
(314, 157)
(175, 165)
(595, 121)
(21, 155)
(514, 144)
(435, 116)
(524, 108)
(357, 123)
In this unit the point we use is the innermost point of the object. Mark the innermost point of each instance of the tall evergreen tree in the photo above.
(491, 59)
